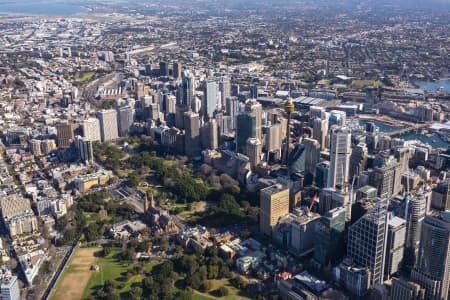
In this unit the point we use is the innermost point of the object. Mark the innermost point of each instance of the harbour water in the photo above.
(48, 7)
(434, 139)
(384, 127)
(433, 86)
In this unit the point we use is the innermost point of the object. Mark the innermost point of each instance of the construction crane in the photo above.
(314, 199)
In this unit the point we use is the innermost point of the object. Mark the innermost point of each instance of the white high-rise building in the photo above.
(91, 129)
(254, 149)
(320, 129)
(210, 98)
(340, 151)
(125, 120)
(224, 89)
(10, 288)
(273, 138)
(108, 125)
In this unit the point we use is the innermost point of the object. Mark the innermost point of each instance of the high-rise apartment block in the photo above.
(91, 129)
(109, 130)
(192, 134)
(274, 203)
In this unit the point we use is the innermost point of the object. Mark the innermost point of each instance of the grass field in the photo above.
(84, 77)
(75, 277)
(113, 269)
(216, 284)
(365, 83)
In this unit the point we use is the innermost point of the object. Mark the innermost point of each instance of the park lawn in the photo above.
(193, 215)
(84, 77)
(76, 275)
(110, 269)
(233, 292)
(197, 296)
(92, 217)
(115, 270)
(216, 284)
(366, 83)
(190, 217)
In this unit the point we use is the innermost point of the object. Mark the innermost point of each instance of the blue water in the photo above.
(435, 140)
(41, 7)
(433, 86)
(384, 127)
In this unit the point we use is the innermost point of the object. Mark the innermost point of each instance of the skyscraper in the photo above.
(316, 112)
(440, 196)
(337, 117)
(367, 241)
(254, 149)
(432, 271)
(395, 245)
(163, 68)
(274, 203)
(358, 159)
(209, 98)
(320, 130)
(91, 129)
(10, 288)
(383, 179)
(370, 100)
(153, 111)
(273, 139)
(185, 97)
(225, 90)
(85, 150)
(296, 161)
(232, 108)
(65, 134)
(288, 109)
(125, 120)
(322, 171)
(209, 135)
(340, 152)
(176, 70)
(406, 290)
(36, 148)
(329, 239)
(415, 214)
(245, 129)
(108, 125)
(185, 91)
(312, 157)
(192, 134)
(254, 107)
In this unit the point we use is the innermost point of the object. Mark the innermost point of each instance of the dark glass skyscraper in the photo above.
(432, 271)
(329, 246)
(245, 129)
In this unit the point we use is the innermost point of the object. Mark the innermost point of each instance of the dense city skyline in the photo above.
(233, 150)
